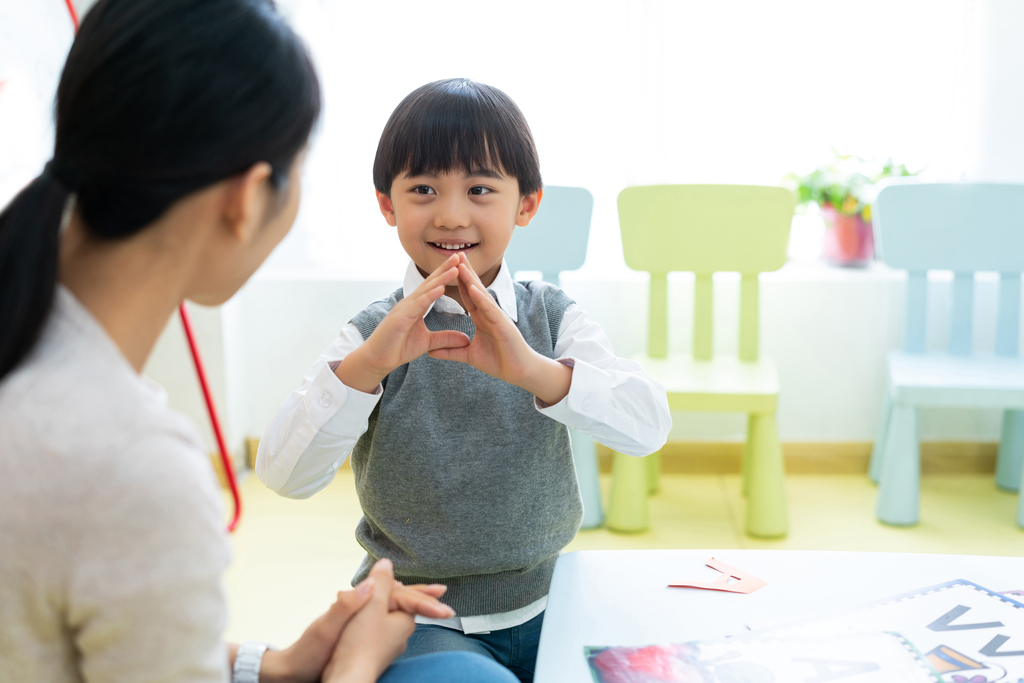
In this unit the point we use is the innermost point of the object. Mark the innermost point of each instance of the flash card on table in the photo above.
(856, 658)
(969, 634)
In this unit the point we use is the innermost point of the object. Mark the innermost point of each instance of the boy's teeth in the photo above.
(450, 247)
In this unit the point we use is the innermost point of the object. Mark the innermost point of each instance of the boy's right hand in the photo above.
(402, 336)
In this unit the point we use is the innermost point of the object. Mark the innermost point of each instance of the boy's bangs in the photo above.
(453, 126)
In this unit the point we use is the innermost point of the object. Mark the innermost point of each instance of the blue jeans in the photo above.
(514, 648)
(447, 667)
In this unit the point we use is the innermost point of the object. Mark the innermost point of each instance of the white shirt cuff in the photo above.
(581, 407)
(338, 409)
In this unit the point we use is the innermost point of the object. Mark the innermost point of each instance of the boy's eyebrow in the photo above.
(484, 173)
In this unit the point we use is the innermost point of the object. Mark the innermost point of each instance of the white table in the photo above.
(621, 597)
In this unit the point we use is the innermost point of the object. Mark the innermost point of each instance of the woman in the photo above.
(181, 132)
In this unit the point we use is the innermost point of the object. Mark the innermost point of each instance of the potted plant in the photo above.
(844, 190)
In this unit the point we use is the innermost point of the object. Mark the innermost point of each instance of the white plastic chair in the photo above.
(964, 228)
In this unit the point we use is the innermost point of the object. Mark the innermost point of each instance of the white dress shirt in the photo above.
(611, 399)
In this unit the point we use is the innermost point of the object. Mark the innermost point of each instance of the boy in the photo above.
(463, 469)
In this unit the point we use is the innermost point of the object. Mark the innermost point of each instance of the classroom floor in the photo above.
(292, 556)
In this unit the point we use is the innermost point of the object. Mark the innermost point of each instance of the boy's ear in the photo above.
(528, 206)
(387, 209)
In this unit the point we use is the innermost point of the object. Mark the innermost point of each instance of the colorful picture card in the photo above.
(856, 658)
(968, 633)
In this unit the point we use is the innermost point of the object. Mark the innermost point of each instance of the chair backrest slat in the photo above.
(556, 238)
(963, 227)
(749, 318)
(657, 317)
(917, 307)
(1008, 323)
(961, 318)
(703, 317)
(706, 229)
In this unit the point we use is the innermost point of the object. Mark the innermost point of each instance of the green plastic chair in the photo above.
(706, 229)
(555, 241)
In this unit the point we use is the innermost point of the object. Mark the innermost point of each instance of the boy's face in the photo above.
(474, 212)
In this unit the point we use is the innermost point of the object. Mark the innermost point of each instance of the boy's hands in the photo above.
(402, 336)
(498, 349)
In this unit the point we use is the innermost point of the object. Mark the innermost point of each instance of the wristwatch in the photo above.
(247, 662)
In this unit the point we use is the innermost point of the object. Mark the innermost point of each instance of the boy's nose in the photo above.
(451, 215)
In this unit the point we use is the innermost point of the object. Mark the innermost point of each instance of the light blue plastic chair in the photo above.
(555, 241)
(964, 228)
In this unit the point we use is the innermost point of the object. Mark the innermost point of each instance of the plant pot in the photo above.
(848, 240)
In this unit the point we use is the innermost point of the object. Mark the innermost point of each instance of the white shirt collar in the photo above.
(501, 289)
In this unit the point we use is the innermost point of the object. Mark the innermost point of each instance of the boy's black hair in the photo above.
(457, 124)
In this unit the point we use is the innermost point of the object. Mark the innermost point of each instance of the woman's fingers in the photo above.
(434, 590)
(383, 576)
(414, 602)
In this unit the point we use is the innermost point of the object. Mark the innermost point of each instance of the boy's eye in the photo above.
(423, 189)
(479, 189)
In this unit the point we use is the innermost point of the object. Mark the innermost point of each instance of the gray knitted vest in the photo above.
(461, 480)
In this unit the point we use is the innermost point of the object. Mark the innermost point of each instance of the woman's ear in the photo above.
(387, 209)
(247, 199)
(528, 206)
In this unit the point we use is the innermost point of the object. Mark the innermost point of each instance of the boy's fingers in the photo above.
(466, 301)
(421, 303)
(450, 262)
(467, 274)
(443, 277)
(447, 339)
(486, 304)
(459, 355)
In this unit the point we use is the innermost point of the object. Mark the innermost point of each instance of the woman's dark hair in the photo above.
(456, 124)
(158, 98)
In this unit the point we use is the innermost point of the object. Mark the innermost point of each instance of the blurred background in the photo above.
(617, 94)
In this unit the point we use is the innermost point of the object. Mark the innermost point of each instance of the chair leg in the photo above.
(1010, 461)
(584, 456)
(745, 466)
(653, 472)
(899, 486)
(766, 501)
(1020, 504)
(878, 447)
(627, 502)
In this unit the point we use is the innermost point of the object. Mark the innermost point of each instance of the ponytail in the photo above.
(29, 242)
(157, 99)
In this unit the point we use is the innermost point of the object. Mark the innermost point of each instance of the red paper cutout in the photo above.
(747, 583)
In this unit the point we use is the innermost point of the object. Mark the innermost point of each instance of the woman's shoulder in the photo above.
(75, 408)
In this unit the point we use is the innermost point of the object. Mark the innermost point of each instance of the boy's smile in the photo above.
(473, 212)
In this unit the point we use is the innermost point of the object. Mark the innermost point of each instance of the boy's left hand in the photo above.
(499, 350)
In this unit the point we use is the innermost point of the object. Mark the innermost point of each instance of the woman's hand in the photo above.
(306, 658)
(498, 349)
(372, 638)
(402, 336)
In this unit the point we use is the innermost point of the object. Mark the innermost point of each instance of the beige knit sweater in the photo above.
(111, 529)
